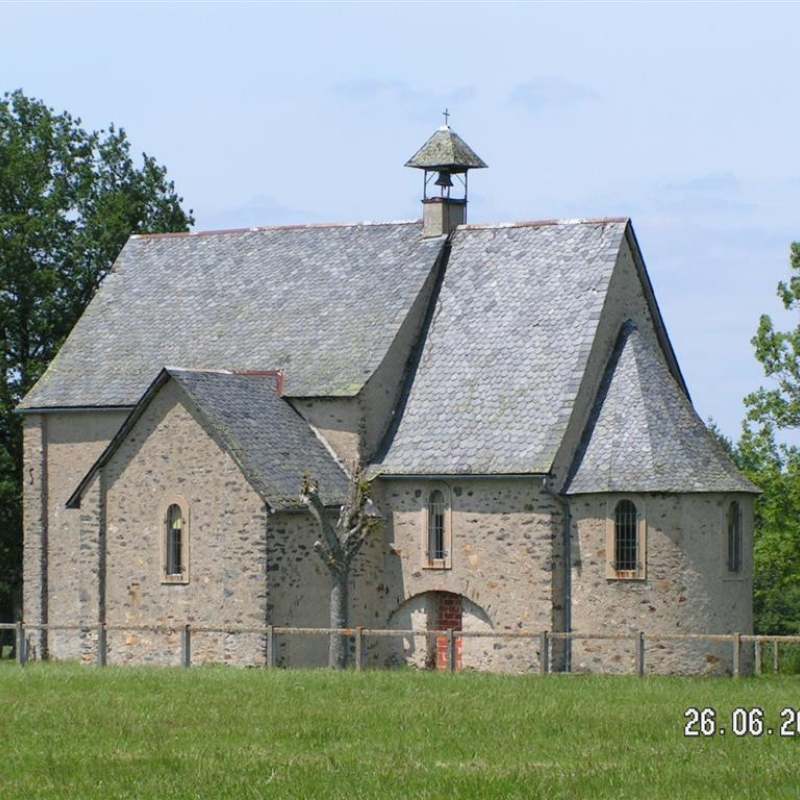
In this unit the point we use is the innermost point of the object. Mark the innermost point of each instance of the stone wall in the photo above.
(502, 560)
(34, 514)
(502, 532)
(300, 589)
(248, 568)
(169, 456)
(687, 588)
(59, 449)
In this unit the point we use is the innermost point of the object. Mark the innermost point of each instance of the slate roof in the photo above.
(507, 346)
(272, 444)
(323, 303)
(446, 149)
(645, 436)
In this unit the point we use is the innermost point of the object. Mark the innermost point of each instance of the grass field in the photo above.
(79, 732)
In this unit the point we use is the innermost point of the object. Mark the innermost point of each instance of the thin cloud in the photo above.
(260, 210)
(548, 92)
(716, 193)
(420, 103)
(702, 203)
(713, 182)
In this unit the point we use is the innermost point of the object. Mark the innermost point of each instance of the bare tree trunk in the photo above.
(337, 653)
(337, 549)
(16, 616)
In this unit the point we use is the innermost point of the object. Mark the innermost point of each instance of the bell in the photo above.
(444, 179)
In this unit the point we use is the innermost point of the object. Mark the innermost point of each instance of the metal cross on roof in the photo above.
(446, 115)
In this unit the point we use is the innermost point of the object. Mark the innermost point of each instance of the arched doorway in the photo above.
(439, 611)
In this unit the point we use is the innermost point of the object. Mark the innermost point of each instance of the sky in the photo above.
(682, 116)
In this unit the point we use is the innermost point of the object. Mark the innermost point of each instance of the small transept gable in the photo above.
(268, 440)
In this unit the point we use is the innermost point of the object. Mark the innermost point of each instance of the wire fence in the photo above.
(550, 651)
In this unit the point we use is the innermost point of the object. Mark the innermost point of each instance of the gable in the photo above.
(321, 303)
(628, 296)
(270, 443)
(506, 348)
(169, 451)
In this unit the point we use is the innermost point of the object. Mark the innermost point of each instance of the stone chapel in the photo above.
(510, 390)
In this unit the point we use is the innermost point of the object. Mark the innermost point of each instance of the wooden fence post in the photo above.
(22, 656)
(451, 650)
(568, 653)
(359, 649)
(270, 646)
(640, 654)
(186, 646)
(101, 645)
(737, 654)
(759, 648)
(776, 657)
(544, 653)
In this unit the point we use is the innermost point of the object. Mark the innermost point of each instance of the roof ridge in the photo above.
(372, 224)
(216, 371)
(268, 228)
(234, 373)
(545, 223)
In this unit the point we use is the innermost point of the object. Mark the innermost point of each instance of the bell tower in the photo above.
(445, 155)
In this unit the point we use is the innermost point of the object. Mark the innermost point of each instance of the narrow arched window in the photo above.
(175, 540)
(734, 537)
(437, 546)
(626, 539)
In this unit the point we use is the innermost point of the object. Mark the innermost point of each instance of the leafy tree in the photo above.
(775, 467)
(69, 198)
(339, 545)
(779, 353)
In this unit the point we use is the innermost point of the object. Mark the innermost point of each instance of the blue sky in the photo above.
(683, 116)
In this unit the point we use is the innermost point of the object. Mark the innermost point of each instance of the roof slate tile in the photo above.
(509, 375)
(273, 444)
(645, 436)
(321, 303)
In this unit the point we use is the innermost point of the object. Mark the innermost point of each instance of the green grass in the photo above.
(80, 732)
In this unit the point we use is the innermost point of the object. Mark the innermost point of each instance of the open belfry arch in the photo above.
(509, 390)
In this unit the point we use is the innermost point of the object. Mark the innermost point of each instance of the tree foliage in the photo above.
(775, 467)
(69, 198)
(779, 354)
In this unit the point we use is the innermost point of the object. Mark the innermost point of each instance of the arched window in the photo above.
(174, 563)
(734, 537)
(626, 537)
(436, 533)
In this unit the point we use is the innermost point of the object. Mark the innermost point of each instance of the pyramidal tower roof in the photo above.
(446, 150)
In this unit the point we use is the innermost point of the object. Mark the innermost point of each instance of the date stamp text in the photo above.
(741, 722)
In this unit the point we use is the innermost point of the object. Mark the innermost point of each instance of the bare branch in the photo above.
(309, 495)
(357, 519)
